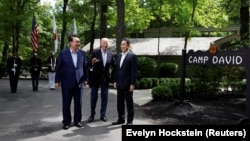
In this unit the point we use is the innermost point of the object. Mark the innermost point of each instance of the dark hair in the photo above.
(71, 37)
(127, 41)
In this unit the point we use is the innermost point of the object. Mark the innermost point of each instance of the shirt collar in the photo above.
(73, 51)
(103, 51)
(125, 53)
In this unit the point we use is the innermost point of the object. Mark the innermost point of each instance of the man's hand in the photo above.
(114, 85)
(131, 88)
(57, 85)
(95, 60)
(85, 83)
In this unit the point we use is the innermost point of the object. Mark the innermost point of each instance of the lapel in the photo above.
(99, 54)
(119, 60)
(79, 56)
(108, 57)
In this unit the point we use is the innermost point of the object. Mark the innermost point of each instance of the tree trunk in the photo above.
(5, 51)
(103, 23)
(64, 24)
(17, 31)
(13, 38)
(244, 20)
(120, 32)
(92, 40)
(159, 37)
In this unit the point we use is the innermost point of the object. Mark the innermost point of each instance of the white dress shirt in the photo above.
(74, 56)
(104, 57)
(123, 57)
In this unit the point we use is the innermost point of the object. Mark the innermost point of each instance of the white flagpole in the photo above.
(55, 37)
(75, 28)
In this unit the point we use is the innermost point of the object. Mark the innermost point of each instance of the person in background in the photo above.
(51, 70)
(125, 79)
(101, 71)
(35, 68)
(14, 64)
(71, 75)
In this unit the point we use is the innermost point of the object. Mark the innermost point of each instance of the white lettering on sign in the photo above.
(226, 60)
(216, 60)
(198, 59)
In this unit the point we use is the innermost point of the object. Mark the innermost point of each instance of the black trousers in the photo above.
(122, 97)
(13, 82)
(35, 76)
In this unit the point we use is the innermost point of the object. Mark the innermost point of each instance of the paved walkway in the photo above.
(36, 116)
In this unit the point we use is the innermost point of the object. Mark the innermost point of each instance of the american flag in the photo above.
(34, 35)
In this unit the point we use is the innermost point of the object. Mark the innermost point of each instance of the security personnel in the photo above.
(14, 64)
(36, 67)
(51, 70)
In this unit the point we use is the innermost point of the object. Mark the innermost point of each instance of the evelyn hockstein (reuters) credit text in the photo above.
(195, 132)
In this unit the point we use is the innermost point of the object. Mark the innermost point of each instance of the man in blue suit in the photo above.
(124, 82)
(71, 76)
(101, 72)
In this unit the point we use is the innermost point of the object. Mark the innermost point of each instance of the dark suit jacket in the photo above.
(126, 74)
(67, 73)
(98, 72)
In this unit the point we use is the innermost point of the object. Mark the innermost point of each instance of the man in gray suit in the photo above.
(124, 82)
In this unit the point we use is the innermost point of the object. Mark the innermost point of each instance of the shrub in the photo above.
(168, 70)
(162, 81)
(3, 69)
(162, 93)
(146, 67)
(149, 83)
(143, 84)
(137, 84)
(155, 82)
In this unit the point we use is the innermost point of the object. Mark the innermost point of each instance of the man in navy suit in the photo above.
(125, 79)
(71, 76)
(101, 70)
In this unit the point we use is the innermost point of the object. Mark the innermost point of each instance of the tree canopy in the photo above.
(98, 18)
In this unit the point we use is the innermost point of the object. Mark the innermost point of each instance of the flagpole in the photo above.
(74, 27)
(55, 37)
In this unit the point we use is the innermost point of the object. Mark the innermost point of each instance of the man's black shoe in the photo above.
(65, 127)
(79, 124)
(118, 122)
(91, 118)
(104, 119)
(129, 123)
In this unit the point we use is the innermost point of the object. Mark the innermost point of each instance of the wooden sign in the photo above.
(213, 56)
(227, 58)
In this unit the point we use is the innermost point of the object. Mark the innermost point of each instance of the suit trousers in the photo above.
(67, 96)
(104, 99)
(124, 95)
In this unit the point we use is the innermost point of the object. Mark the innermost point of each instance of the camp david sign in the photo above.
(213, 56)
(227, 58)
